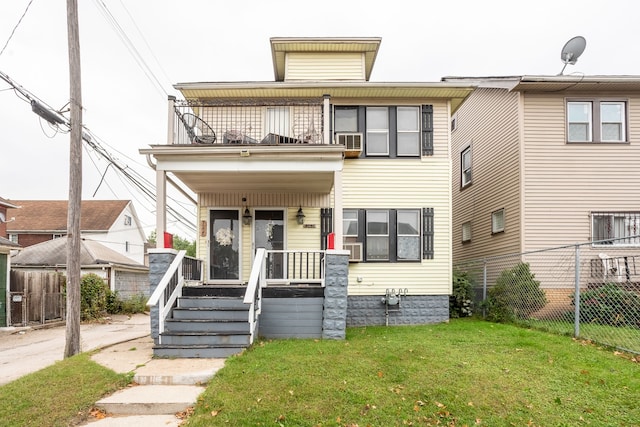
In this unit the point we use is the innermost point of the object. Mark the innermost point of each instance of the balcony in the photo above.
(248, 122)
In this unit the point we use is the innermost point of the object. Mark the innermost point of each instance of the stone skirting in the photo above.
(368, 310)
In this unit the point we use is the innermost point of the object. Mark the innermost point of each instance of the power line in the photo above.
(15, 28)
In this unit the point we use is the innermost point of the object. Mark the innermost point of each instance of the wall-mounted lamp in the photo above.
(300, 216)
(246, 217)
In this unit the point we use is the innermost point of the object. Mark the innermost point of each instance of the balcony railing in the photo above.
(297, 121)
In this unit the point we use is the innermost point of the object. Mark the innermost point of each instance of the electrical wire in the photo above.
(15, 28)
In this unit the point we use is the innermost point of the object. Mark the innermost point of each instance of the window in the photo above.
(127, 220)
(497, 221)
(465, 167)
(466, 232)
(13, 238)
(350, 225)
(454, 122)
(277, 121)
(408, 232)
(377, 131)
(596, 121)
(378, 235)
(615, 228)
(56, 236)
(345, 119)
(408, 131)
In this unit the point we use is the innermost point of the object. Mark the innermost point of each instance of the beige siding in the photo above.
(565, 182)
(488, 122)
(325, 66)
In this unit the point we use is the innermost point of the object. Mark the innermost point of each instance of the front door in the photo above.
(224, 249)
(269, 234)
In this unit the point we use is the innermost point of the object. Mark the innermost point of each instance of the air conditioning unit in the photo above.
(355, 251)
(352, 143)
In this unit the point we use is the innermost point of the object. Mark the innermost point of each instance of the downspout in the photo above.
(172, 182)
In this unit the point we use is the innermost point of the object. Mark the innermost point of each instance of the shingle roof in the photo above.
(51, 215)
(8, 243)
(54, 252)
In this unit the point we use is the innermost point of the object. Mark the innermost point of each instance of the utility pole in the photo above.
(72, 343)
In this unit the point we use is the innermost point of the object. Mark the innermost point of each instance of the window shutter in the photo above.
(427, 233)
(427, 130)
(326, 226)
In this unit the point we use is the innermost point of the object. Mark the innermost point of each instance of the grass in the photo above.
(464, 373)
(59, 395)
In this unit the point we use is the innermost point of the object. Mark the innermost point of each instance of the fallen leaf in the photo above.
(291, 392)
(440, 405)
(380, 374)
(214, 413)
(470, 404)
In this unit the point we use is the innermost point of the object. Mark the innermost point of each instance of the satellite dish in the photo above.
(572, 51)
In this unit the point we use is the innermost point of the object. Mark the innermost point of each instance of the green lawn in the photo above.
(59, 395)
(467, 372)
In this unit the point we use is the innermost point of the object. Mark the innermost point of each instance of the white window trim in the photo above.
(497, 221)
(415, 131)
(595, 120)
(466, 232)
(378, 131)
(614, 241)
(463, 182)
(417, 235)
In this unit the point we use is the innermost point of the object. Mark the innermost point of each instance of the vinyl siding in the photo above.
(324, 66)
(565, 182)
(488, 122)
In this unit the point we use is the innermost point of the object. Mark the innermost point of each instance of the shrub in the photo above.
(610, 305)
(461, 299)
(515, 295)
(134, 304)
(93, 297)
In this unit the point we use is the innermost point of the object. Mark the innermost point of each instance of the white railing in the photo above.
(295, 267)
(253, 294)
(167, 291)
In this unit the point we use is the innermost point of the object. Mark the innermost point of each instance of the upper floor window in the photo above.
(127, 220)
(408, 131)
(497, 221)
(596, 121)
(345, 119)
(465, 167)
(13, 238)
(377, 131)
(615, 228)
(466, 232)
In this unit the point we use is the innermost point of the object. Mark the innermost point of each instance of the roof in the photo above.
(564, 83)
(54, 252)
(6, 203)
(280, 46)
(51, 215)
(8, 243)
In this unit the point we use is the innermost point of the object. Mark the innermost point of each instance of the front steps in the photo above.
(205, 326)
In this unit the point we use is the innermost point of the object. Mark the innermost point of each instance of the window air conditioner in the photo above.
(355, 251)
(352, 143)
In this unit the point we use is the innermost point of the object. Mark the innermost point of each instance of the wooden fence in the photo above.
(36, 297)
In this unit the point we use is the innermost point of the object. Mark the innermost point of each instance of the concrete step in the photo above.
(196, 313)
(196, 351)
(138, 421)
(206, 326)
(238, 338)
(151, 400)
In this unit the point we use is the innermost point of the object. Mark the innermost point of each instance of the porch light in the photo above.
(246, 217)
(300, 216)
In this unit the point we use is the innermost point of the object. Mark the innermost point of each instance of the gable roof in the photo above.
(6, 243)
(6, 203)
(54, 252)
(51, 215)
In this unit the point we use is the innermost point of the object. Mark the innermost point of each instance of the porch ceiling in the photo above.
(260, 182)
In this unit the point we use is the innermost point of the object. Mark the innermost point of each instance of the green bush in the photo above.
(515, 295)
(610, 305)
(93, 297)
(134, 304)
(461, 299)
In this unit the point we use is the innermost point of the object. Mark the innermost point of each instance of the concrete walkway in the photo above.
(162, 391)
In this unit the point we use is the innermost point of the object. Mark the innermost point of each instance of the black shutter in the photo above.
(427, 233)
(427, 130)
(326, 226)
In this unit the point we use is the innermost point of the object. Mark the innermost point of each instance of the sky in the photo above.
(127, 75)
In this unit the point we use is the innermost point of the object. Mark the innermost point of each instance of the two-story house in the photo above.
(113, 223)
(545, 161)
(321, 157)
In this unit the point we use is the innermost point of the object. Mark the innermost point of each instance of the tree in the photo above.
(179, 243)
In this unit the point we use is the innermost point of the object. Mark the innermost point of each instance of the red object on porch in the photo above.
(331, 241)
(168, 240)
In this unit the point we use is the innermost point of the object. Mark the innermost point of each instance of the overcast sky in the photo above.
(199, 40)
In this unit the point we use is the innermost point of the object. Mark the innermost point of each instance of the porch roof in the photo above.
(232, 168)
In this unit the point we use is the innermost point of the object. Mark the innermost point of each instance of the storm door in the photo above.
(269, 234)
(224, 246)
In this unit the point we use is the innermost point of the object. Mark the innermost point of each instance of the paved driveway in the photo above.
(26, 350)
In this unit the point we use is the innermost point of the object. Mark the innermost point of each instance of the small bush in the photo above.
(93, 297)
(515, 296)
(461, 299)
(610, 305)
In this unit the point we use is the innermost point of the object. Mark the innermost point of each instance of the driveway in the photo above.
(26, 350)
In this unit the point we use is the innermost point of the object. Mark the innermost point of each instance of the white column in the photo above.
(337, 209)
(171, 120)
(326, 125)
(161, 207)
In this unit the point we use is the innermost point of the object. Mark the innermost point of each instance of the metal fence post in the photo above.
(484, 288)
(576, 298)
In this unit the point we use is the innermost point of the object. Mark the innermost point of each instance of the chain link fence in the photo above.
(589, 291)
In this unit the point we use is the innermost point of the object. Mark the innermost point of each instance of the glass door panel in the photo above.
(224, 250)
(269, 234)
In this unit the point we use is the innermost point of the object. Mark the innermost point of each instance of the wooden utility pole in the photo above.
(72, 343)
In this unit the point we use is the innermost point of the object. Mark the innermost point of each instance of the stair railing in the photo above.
(253, 294)
(168, 290)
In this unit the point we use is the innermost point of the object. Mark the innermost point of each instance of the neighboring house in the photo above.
(114, 223)
(126, 277)
(546, 161)
(319, 154)
(4, 219)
